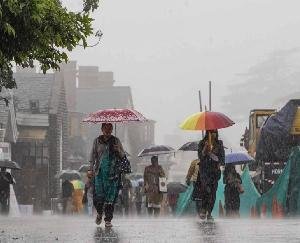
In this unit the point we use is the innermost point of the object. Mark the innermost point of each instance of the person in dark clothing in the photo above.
(233, 188)
(67, 193)
(152, 173)
(138, 195)
(211, 155)
(126, 193)
(172, 201)
(5, 180)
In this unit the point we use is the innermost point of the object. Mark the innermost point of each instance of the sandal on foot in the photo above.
(98, 219)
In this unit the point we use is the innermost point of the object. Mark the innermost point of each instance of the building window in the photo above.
(34, 106)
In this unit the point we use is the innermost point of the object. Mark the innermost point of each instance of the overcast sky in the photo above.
(167, 50)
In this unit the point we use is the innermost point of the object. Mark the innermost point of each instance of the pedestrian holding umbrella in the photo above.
(211, 155)
(6, 179)
(173, 189)
(108, 153)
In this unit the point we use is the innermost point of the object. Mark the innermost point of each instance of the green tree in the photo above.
(42, 31)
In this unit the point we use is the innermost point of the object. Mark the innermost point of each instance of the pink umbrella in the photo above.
(115, 116)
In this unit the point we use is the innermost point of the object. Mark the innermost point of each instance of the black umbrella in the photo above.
(135, 176)
(9, 165)
(156, 150)
(176, 187)
(84, 168)
(190, 146)
(69, 175)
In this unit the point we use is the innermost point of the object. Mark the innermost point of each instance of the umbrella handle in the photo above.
(209, 142)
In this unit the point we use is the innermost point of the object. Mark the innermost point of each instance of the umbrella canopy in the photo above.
(135, 176)
(190, 146)
(238, 158)
(207, 120)
(176, 187)
(69, 175)
(9, 165)
(156, 150)
(77, 184)
(114, 116)
(84, 168)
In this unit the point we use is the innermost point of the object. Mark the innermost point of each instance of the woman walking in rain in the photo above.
(107, 150)
(151, 181)
(211, 155)
(233, 188)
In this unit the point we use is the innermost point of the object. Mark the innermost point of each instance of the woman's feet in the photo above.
(108, 224)
(98, 219)
(210, 218)
(202, 214)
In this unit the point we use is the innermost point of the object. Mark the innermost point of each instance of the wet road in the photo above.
(83, 229)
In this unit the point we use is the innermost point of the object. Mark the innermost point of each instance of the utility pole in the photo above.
(200, 100)
(200, 103)
(209, 87)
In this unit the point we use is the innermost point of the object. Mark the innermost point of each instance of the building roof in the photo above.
(33, 86)
(48, 89)
(90, 100)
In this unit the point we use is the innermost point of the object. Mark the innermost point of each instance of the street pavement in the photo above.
(53, 228)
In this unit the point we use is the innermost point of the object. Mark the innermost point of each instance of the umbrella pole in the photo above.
(209, 141)
(115, 129)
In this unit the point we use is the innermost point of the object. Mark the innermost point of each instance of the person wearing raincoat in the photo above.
(105, 174)
(212, 156)
(77, 196)
(233, 188)
(192, 172)
(151, 185)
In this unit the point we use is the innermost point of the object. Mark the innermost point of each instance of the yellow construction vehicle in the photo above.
(256, 120)
(270, 169)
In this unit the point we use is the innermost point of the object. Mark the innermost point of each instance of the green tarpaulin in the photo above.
(185, 206)
(283, 199)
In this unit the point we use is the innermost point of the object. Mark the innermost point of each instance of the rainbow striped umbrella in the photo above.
(77, 184)
(207, 120)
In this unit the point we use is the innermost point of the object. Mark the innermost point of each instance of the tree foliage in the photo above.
(42, 31)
